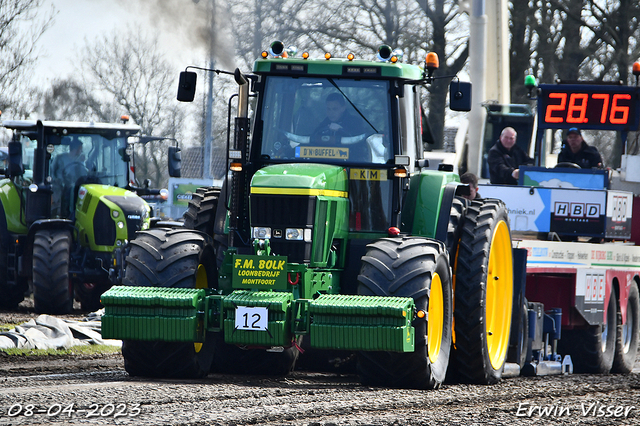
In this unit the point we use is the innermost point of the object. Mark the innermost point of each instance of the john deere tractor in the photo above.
(67, 212)
(332, 233)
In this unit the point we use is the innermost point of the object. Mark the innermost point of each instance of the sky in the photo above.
(80, 20)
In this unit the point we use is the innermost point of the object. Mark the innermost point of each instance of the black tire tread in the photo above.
(404, 267)
(51, 287)
(470, 360)
(167, 258)
(585, 345)
(623, 362)
(201, 212)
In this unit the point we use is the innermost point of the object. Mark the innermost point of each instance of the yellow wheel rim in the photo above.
(201, 282)
(499, 295)
(435, 319)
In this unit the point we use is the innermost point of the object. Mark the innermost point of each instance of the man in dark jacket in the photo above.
(576, 150)
(505, 159)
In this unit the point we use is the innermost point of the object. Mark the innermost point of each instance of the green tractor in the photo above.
(68, 212)
(332, 234)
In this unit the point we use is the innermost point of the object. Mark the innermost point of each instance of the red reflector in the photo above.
(393, 231)
(358, 221)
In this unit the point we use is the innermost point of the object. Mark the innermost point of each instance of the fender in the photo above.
(428, 203)
(11, 204)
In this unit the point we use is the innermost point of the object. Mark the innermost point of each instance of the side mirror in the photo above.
(175, 160)
(187, 86)
(16, 168)
(460, 96)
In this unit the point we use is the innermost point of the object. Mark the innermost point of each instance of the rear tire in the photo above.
(202, 208)
(89, 295)
(592, 350)
(201, 214)
(170, 258)
(522, 345)
(483, 294)
(410, 267)
(627, 334)
(52, 289)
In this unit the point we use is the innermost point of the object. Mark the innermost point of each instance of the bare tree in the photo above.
(130, 70)
(360, 27)
(18, 47)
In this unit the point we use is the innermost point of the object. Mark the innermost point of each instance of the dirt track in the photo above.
(96, 390)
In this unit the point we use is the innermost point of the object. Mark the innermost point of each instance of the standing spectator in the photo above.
(575, 150)
(505, 159)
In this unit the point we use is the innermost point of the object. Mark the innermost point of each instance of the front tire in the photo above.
(417, 268)
(178, 259)
(627, 334)
(52, 289)
(483, 294)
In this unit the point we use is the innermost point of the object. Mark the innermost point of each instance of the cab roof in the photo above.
(337, 67)
(70, 127)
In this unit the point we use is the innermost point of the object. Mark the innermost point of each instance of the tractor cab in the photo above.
(58, 157)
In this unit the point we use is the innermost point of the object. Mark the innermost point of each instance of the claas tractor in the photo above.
(68, 212)
(331, 233)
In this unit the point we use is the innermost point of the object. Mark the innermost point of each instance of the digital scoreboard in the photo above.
(588, 106)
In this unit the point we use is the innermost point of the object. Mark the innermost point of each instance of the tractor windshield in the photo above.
(326, 120)
(84, 158)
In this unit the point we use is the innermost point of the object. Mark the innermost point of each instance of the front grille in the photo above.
(103, 226)
(134, 211)
(290, 211)
(281, 212)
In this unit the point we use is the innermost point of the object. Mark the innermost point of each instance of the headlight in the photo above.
(120, 225)
(262, 233)
(295, 234)
(115, 213)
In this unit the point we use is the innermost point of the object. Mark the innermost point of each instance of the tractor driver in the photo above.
(575, 150)
(338, 123)
(66, 169)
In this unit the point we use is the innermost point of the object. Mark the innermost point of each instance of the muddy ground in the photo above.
(97, 390)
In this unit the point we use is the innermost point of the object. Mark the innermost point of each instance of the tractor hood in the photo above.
(301, 179)
(107, 217)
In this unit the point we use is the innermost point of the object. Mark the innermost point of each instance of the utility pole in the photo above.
(208, 138)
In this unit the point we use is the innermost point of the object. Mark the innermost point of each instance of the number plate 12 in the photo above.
(252, 318)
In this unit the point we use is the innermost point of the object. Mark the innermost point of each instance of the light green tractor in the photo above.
(67, 212)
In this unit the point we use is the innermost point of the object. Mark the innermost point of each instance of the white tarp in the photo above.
(48, 332)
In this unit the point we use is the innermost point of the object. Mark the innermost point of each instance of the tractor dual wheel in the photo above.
(592, 349)
(177, 259)
(627, 334)
(483, 294)
(52, 288)
(417, 268)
